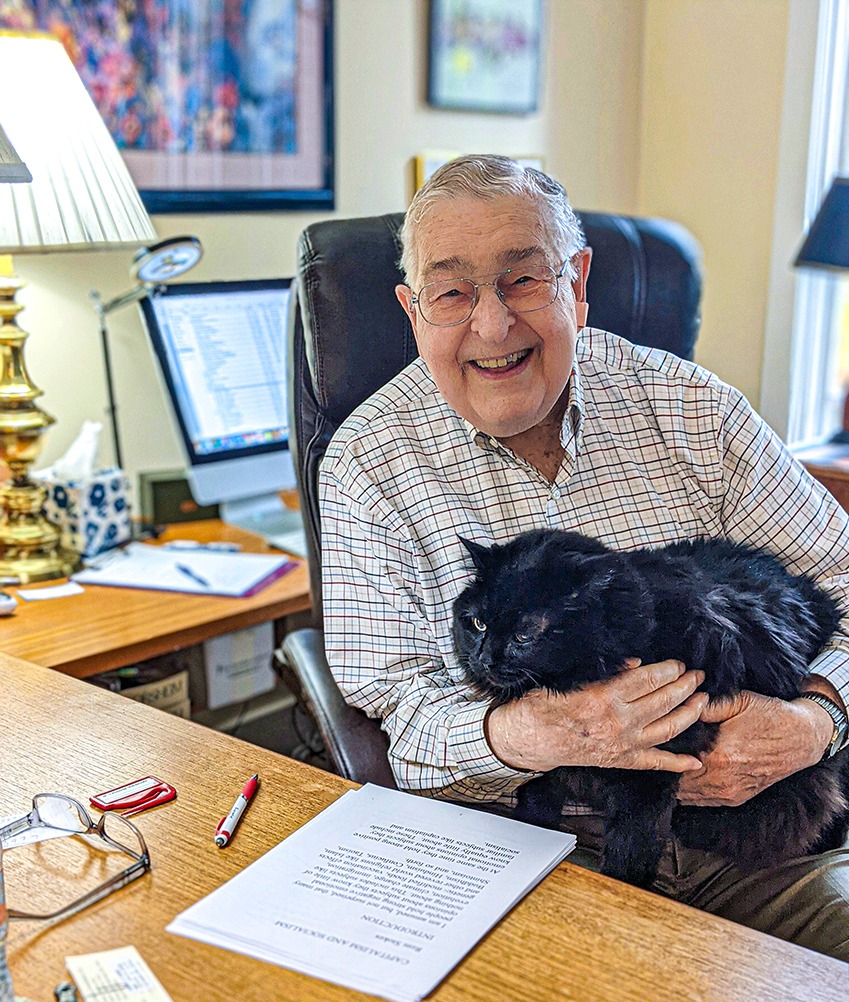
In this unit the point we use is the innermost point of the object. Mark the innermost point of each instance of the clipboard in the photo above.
(202, 572)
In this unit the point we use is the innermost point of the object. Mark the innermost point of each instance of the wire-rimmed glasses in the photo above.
(451, 301)
(62, 813)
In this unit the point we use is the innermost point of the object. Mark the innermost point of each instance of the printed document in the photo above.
(384, 892)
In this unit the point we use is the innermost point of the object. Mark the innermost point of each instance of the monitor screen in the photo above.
(221, 349)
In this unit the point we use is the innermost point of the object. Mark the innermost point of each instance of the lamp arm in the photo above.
(102, 309)
(133, 296)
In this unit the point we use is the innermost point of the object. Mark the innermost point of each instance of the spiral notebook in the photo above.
(140, 565)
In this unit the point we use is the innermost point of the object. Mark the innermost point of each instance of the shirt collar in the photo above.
(573, 418)
(571, 431)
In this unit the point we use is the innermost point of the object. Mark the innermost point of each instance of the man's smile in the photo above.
(504, 362)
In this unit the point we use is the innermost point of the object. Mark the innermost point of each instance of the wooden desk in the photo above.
(829, 463)
(107, 628)
(577, 936)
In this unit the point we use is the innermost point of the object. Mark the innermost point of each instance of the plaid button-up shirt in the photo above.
(656, 449)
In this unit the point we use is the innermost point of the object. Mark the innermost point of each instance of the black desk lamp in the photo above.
(827, 246)
(827, 242)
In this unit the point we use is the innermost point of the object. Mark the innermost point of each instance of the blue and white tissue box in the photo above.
(93, 514)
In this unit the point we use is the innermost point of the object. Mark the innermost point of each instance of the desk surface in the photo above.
(107, 628)
(578, 935)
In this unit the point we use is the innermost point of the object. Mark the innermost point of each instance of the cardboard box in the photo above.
(238, 665)
(169, 694)
(93, 514)
(156, 682)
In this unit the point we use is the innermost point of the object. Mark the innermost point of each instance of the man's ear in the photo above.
(581, 262)
(404, 295)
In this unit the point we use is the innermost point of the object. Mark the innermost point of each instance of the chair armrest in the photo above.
(356, 744)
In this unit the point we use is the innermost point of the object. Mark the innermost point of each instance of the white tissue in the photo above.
(78, 462)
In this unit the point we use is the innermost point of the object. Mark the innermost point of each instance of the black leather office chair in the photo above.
(348, 336)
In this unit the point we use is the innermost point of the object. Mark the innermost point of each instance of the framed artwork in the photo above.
(428, 161)
(485, 55)
(216, 106)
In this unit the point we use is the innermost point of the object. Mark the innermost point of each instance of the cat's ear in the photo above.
(480, 554)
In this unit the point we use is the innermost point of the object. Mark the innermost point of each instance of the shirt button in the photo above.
(555, 494)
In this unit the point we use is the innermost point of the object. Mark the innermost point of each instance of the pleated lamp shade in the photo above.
(12, 169)
(81, 196)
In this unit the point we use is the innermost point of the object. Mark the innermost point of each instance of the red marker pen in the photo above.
(227, 825)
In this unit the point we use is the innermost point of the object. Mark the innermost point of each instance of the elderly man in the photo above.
(516, 417)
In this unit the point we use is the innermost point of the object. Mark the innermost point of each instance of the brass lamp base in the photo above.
(29, 544)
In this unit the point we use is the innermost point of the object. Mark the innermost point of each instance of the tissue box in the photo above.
(93, 514)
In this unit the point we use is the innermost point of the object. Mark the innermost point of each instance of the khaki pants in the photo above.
(804, 901)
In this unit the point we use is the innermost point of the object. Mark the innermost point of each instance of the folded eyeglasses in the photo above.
(61, 813)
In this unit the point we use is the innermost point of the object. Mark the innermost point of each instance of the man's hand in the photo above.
(615, 723)
(760, 741)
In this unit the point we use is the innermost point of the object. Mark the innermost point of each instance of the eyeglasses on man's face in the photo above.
(524, 289)
(61, 813)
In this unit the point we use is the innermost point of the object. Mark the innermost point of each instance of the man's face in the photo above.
(472, 238)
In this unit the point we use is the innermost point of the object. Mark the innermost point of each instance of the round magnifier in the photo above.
(166, 260)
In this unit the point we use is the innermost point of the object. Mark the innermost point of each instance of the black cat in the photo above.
(555, 610)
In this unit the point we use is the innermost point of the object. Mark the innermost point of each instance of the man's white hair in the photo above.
(488, 176)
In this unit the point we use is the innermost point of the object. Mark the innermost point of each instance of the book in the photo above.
(383, 891)
(202, 572)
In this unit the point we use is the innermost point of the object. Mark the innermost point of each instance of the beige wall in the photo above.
(710, 130)
(666, 107)
(586, 129)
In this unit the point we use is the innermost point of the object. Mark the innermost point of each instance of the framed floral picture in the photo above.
(484, 55)
(216, 106)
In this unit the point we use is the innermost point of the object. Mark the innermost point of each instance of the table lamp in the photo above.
(827, 247)
(81, 197)
(827, 242)
(12, 169)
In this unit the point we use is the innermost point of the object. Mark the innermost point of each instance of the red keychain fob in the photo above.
(134, 797)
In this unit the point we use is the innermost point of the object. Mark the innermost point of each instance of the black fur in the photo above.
(560, 610)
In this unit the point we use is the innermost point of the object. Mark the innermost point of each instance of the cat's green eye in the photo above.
(522, 638)
(478, 625)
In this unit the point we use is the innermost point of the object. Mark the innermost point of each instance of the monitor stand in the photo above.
(268, 517)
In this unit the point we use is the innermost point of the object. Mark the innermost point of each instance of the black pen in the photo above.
(183, 569)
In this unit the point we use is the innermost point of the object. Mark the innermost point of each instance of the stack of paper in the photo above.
(205, 572)
(383, 892)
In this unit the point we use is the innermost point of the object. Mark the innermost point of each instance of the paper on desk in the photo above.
(383, 891)
(140, 565)
(115, 976)
(52, 591)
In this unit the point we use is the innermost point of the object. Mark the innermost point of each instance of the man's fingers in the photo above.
(659, 760)
(677, 721)
(637, 682)
(660, 702)
(723, 709)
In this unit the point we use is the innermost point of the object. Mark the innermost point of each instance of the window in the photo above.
(819, 375)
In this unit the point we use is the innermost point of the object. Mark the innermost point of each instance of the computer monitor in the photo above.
(221, 350)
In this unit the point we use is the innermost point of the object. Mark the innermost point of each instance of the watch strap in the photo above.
(838, 716)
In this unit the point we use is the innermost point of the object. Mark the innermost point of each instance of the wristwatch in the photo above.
(841, 722)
